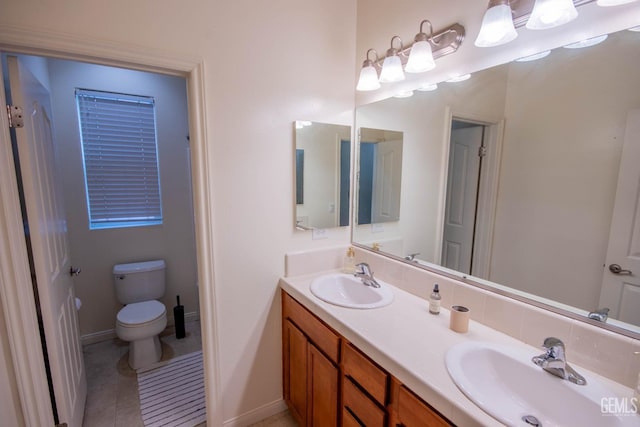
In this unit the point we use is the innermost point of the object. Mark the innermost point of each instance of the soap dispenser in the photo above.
(434, 300)
(349, 263)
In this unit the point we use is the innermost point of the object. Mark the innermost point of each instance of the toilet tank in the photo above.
(139, 281)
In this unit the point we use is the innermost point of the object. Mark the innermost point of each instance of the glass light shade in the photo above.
(613, 2)
(391, 70)
(368, 79)
(587, 43)
(497, 27)
(404, 94)
(456, 79)
(551, 13)
(420, 58)
(427, 87)
(534, 57)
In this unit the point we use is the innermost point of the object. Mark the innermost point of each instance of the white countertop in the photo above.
(411, 344)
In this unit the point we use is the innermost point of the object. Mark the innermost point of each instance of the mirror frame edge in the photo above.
(471, 280)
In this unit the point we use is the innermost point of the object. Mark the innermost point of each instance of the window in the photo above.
(120, 155)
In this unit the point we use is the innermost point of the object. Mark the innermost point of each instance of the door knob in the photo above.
(616, 269)
(74, 271)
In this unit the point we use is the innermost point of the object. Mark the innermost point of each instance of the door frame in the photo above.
(16, 293)
(487, 191)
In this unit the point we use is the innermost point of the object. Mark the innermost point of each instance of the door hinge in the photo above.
(482, 151)
(16, 118)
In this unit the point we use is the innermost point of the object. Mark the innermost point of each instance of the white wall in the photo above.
(266, 64)
(97, 251)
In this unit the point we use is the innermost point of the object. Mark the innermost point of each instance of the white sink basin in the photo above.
(504, 382)
(348, 291)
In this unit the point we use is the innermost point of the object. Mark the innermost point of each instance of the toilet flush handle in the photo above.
(74, 271)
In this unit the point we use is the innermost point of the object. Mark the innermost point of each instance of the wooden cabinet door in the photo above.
(412, 412)
(295, 371)
(322, 389)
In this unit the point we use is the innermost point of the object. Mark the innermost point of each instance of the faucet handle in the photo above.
(554, 347)
(364, 268)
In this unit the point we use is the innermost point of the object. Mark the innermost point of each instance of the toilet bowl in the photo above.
(143, 318)
(140, 324)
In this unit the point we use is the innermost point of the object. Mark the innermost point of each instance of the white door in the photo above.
(621, 291)
(386, 182)
(462, 194)
(48, 234)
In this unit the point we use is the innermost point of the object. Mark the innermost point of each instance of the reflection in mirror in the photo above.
(380, 173)
(518, 187)
(323, 170)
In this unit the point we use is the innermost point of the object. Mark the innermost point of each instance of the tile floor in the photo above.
(283, 419)
(112, 386)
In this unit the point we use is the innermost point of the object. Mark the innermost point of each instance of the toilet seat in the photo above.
(140, 314)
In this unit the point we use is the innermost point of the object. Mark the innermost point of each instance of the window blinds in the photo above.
(119, 148)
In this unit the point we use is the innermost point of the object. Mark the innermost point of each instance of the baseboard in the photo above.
(95, 337)
(257, 414)
(110, 334)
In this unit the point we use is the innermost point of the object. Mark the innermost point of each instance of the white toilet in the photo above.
(140, 321)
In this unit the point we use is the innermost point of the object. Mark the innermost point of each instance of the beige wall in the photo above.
(560, 179)
(423, 119)
(96, 251)
(266, 64)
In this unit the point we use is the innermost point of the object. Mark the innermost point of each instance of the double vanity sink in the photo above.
(493, 371)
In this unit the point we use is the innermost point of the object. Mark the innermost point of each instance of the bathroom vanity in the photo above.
(328, 381)
(383, 366)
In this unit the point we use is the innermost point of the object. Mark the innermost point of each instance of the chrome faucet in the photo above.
(600, 315)
(554, 361)
(412, 257)
(364, 272)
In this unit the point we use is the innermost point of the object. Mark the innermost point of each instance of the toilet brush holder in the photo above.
(178, 316)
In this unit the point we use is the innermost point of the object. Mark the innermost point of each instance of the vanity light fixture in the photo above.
(368, 74)
(456, 79)
(421, 56)
(427, 87)
(607, 3)
(587, 43)
(418, 57)
(497, 25)
(551, 13)
(534, 57)
(302, 124)
(392, 65)
(404, 94)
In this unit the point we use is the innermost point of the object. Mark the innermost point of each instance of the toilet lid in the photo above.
(141, 312)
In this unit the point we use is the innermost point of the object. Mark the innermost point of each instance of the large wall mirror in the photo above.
(526, 177)
(322, 175)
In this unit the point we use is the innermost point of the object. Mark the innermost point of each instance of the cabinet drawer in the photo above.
(348, 420)
(317, 332)
(412, 412)
(360, 405)
(364, 372)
